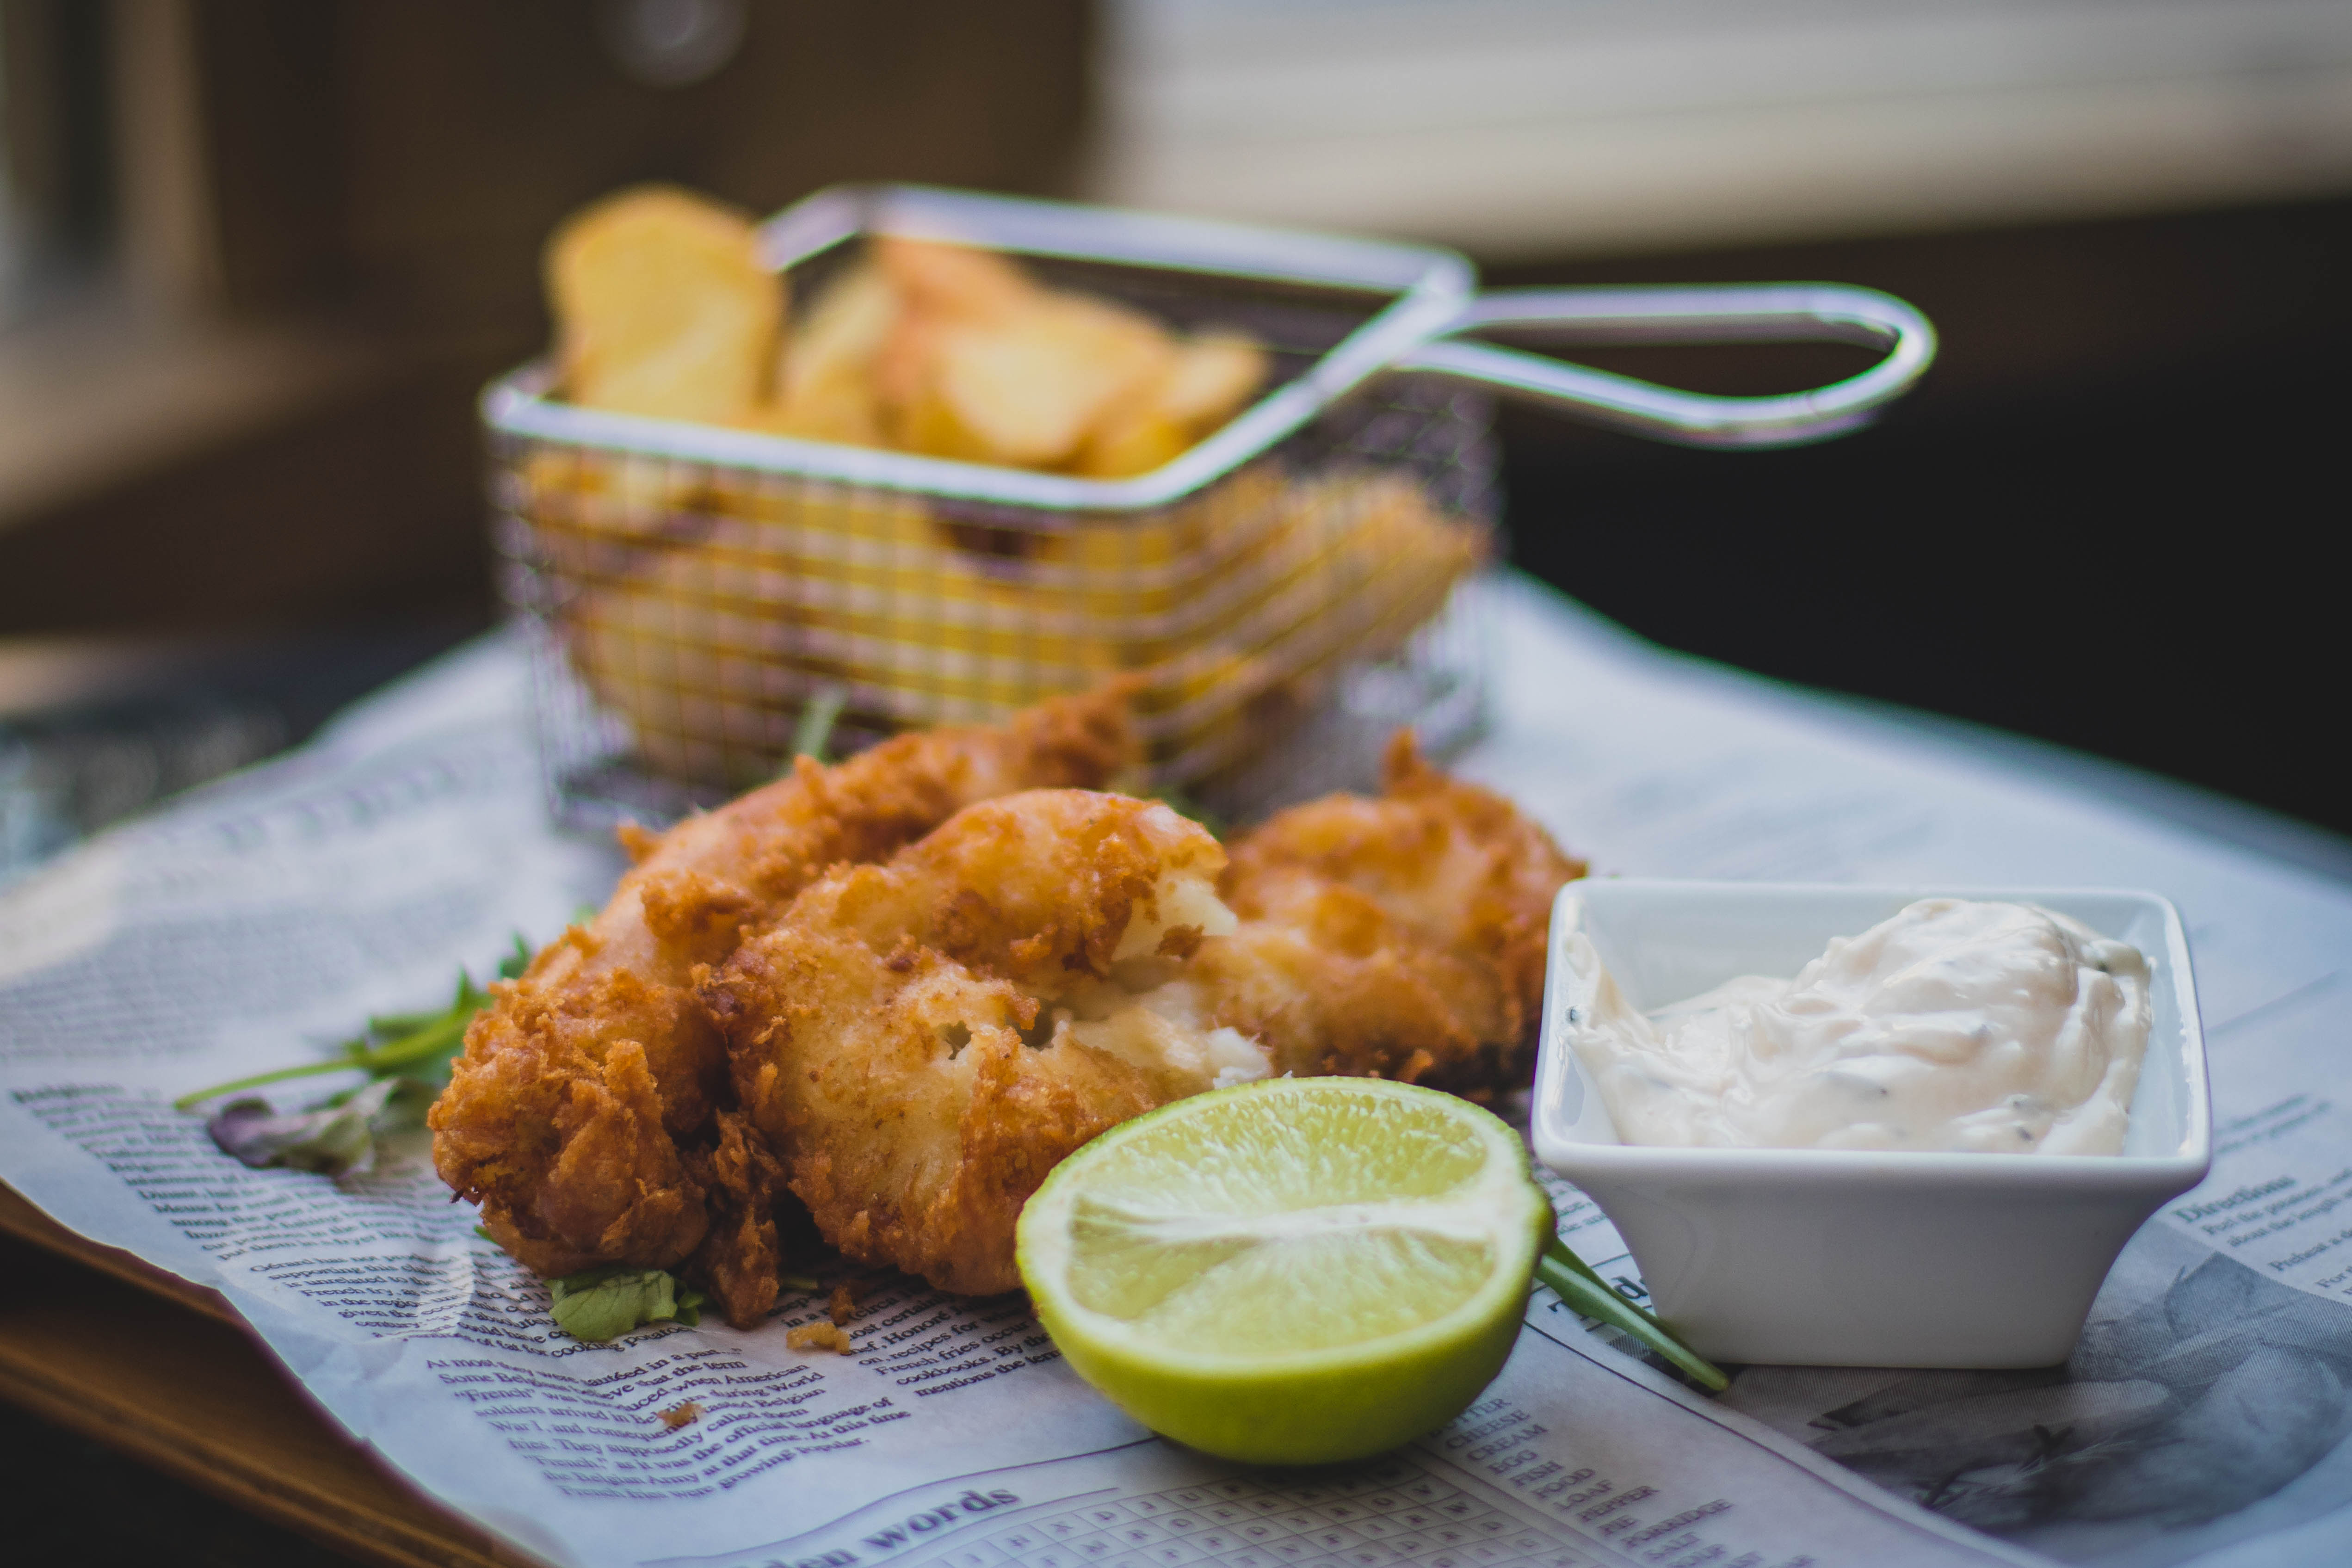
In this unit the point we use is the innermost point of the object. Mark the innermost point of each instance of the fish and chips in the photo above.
(879, 1001)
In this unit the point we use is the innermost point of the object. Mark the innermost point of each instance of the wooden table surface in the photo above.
(165, 1372)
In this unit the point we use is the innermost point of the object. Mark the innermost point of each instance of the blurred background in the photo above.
(257, 255)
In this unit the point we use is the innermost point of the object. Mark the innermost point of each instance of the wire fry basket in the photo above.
(1278, 594)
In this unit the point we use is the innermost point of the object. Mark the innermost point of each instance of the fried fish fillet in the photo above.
(1400, 936)
(592, 1115)
(922, 1041)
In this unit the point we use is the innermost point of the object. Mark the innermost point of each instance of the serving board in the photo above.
(162, 1371)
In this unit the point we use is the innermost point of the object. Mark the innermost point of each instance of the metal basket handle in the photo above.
(1761, 313)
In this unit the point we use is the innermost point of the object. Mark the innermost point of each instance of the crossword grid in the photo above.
(1394, 1515)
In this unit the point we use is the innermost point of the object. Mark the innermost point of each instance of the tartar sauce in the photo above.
(1954, 1025)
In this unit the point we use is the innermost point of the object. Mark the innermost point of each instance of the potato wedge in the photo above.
(1130, 440)
(1214, 374)
(1025, 390)
(1206, 381)
(956, 281)
(662, 307)
(827, 386)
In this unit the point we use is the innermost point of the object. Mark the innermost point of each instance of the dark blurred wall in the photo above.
(372, 181)
(2103, 520)
(419, 152)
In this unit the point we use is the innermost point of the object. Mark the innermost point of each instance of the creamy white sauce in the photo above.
(1955, 1025)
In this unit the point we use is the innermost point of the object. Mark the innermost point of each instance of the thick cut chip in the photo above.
(1213, 375)
(1205, 381)
(954, 281)
(663, 308)
(827, 386)
(1026, 389)
(986, 365)
(1131, 441)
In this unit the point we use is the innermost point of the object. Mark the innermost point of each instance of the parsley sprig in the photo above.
(415, 1046)
(406, 1058)
(812, 731)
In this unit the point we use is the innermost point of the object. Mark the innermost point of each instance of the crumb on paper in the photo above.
(847, 1296)
(818, 1336)
(679, 1416)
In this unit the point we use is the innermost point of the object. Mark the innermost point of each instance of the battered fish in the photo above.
(1400, 937)
(919, 1043)
(592, 1115)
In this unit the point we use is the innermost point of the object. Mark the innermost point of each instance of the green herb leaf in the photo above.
(813, 734)
(606, 1302)
(384, 1024)
(1185, 806)
(404, 1108)
(511, 966)
(337, 1138)
(418, 1047)
(1583, 1291)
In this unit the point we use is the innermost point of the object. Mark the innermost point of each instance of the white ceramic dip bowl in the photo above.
(1859, 1257)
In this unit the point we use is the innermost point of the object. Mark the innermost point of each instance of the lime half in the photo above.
(1292, 1271)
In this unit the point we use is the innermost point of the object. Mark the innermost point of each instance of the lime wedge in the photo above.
(1292, 1271)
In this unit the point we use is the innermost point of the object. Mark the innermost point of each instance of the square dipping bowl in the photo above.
(1858, 1258)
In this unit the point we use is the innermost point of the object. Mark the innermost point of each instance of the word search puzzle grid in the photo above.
(1395, 1515)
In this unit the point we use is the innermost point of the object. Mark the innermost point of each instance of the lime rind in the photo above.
(1233, 1275)
(1482, 1206)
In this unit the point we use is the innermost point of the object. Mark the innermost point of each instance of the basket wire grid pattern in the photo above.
(1280, 619)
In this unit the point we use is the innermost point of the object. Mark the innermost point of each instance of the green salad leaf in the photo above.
(607, 1302)
(337, 1138)
(1583, 1291)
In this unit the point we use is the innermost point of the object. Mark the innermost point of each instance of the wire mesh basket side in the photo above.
(686, 614)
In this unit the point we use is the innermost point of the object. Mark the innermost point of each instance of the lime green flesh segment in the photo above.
(1270, 1154)
(1293, 1294)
